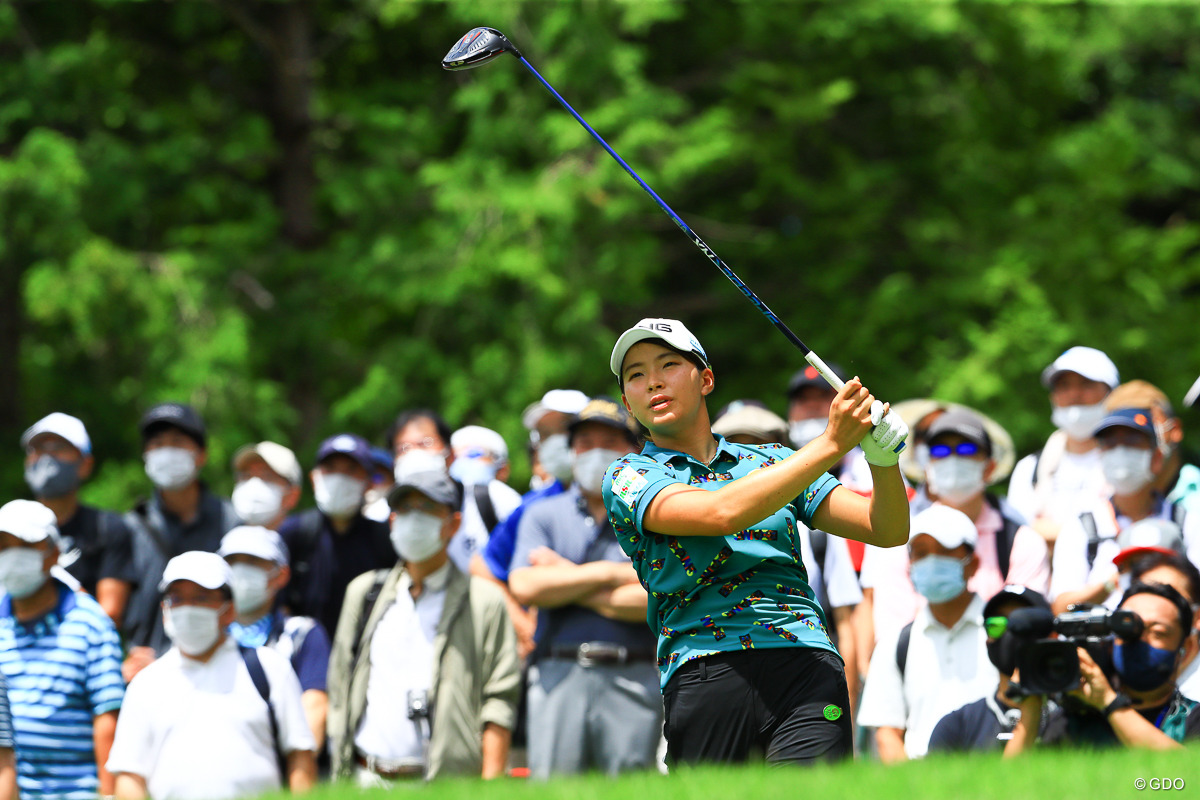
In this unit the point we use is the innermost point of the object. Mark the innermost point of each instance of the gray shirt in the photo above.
(563, 524)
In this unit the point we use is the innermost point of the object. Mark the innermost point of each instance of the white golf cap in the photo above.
(564, 401)
(949, 526)
(60, 424)
(206, 569)
(746, 419)
(254, 540)
(670, 331)
(281, 460)
(1086, 361)
(29, 521)
(472, 441)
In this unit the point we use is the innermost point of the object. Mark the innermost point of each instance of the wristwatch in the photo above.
(1119, 702)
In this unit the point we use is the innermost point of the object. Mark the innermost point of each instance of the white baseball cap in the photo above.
(207, 569)
(281, 460)
(29, 521)
(1086, 361)
(949, 526)
(671, 331)
(564, 401)
(60, 424)
(476, 437)
(254, 540)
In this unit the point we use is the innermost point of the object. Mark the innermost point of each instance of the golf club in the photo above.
(481, 45)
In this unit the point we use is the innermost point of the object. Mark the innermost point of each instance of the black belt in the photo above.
(388, 769)
(589, 653)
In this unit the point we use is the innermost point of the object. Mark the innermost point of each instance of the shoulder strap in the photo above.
(1178, 513)
(1088, 520)
(369, 600)
(902, 648)
(151, 523)
(1037, 460)
(1004, 538)
(258, 676)
(487, 509)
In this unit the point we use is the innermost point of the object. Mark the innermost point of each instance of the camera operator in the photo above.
(987, 723)
(1148, 711)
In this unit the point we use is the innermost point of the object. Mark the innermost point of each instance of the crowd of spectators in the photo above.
(427, 619)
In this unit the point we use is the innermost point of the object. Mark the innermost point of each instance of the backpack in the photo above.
(1088, 520)
(259, 677)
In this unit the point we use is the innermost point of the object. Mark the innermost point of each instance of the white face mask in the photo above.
(338, 495)
(416, 536)
(554, 454)
(257, 501)
(21, 572)
(472, 471)
(955, 479)
(590, 466)
(1127, 469)
(1078, 421)
(803, 431)
(193, 629)
(170, 467)
(249, 585)
(415, 461)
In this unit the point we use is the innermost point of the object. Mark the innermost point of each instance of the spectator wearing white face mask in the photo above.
(1048, 487)
(334, 543)
(267, 483)
(1083, 556)
(258, 565)
(594, 700)
(480, 465)
(809, 396)
(210, 719)
(182, 514)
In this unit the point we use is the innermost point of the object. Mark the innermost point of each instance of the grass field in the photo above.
(1069, 775)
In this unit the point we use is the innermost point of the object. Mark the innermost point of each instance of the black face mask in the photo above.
(51, 477)
(1003, 652)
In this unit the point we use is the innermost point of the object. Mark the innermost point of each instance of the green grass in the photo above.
(1049, 775)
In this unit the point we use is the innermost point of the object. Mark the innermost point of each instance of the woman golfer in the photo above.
(743, 651)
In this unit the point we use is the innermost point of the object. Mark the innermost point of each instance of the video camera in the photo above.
(1050, 665)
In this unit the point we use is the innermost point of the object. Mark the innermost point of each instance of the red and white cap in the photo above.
(1149, 536)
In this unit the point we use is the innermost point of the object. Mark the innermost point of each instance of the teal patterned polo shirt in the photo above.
(717, 594)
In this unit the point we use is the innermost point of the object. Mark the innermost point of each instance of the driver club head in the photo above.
(477, 47)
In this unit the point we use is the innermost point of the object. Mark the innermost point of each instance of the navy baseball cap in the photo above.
(1014, 591)
(1138, 419)
(175, 415)
(434, 484)
(808, 376)
(347, 444)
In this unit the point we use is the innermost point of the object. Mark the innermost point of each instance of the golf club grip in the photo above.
(823, 368)
(683, 226)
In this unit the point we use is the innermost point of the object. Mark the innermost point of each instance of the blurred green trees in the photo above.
(288, 215)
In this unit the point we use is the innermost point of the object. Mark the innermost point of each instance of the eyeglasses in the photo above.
(428, 443)
(995, 626)
(960, 449)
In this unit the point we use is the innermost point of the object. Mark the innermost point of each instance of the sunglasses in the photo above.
(960, 449)
(995, 626)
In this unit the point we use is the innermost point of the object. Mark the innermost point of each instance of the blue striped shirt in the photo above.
(63, 670)
(6, 731)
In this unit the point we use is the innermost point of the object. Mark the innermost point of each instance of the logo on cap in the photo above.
(344, 443)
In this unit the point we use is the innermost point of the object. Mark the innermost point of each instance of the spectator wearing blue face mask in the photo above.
(481, 465)
(97, 545)
(938, 662)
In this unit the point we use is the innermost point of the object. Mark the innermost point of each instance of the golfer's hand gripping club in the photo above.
(889, 434)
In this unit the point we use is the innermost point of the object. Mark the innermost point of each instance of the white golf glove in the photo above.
(883, 444)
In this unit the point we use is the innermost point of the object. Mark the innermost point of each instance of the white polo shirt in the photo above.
(946, 669)
(401, 653)
(199, 730)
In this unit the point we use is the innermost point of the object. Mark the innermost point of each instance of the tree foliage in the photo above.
(287, 214)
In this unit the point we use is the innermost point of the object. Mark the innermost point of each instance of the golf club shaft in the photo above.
(809, 356)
